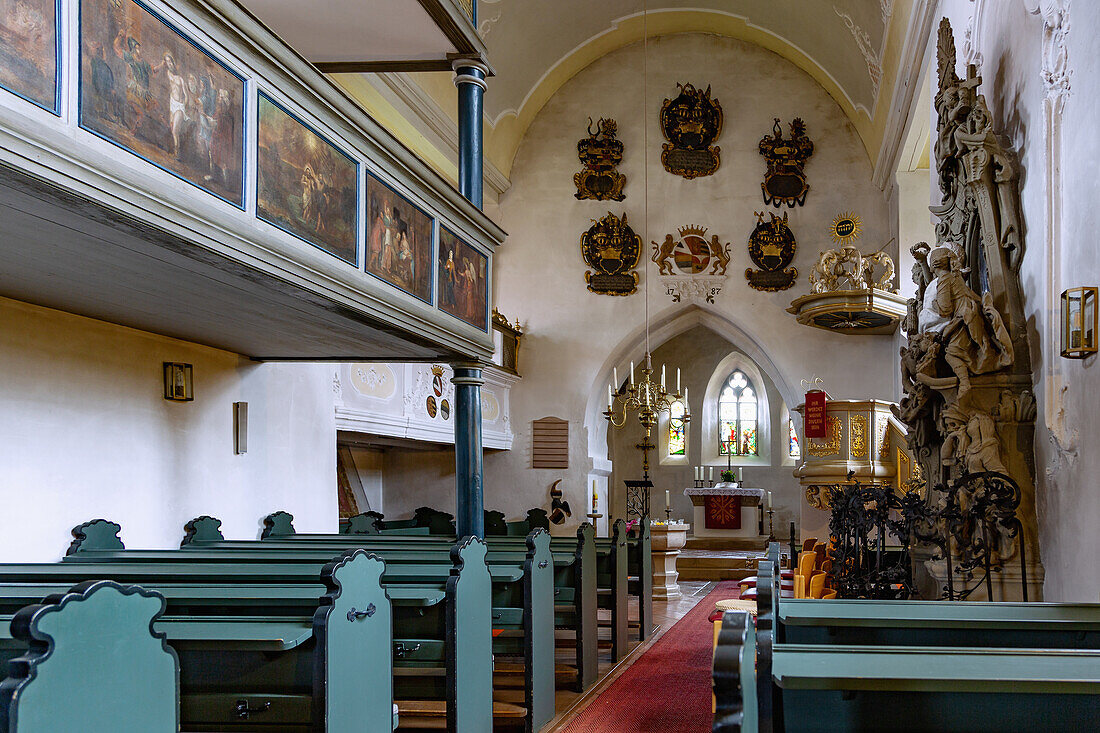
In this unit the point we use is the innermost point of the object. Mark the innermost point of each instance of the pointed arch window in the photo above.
(738, 408)
(677, 429)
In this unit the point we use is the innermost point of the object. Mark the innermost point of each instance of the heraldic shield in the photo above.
(612, 249)
(600, 152)
(691, 122)
(785, 180)
(771, 248)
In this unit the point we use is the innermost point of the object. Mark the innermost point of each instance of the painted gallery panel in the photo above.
(306, 185)
(29, 50)
(399, 241)
(463, 280)
(151, 90)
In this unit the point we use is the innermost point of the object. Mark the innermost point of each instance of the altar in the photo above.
(727, 511)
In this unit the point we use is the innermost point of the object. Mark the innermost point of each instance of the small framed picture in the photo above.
(178, 383)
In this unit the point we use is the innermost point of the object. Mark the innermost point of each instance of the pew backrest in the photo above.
(734, 675)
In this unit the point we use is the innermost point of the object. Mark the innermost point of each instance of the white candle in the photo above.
(631, 374)
(686, 403)
(697, 469)
(615, 377)
(711, 476)
(610, 399)
(769, 500)
(662, 376)
(678, 381)
(668, 499)
(595, 501)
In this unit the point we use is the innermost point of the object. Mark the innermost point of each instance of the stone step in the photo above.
(713, 565)
(714, 574)
(745, 544)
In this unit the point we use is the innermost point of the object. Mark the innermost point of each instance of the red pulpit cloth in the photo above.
(722, 512)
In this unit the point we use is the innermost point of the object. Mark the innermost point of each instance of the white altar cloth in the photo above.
(725, 491)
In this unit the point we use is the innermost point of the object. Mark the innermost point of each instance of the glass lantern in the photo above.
(1079, 324)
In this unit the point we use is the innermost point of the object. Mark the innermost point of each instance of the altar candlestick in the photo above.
(678, 382)
(769, 500)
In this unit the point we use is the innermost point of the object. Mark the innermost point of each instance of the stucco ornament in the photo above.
(683, 263)
(1056, 71)
(846, 268)
(966, 369)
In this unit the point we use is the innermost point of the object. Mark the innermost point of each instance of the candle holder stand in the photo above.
(668, 516)
(771, 525)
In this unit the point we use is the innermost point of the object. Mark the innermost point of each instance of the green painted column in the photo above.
(469, 502)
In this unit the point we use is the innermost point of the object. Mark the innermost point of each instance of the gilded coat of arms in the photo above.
(771, 248)
(682, 264)
(612, 249)
(690, 123)
(785, 181)
(600, 152)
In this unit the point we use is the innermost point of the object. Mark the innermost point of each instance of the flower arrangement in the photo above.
(727, 476)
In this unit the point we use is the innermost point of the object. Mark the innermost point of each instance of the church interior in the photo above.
(738, 350)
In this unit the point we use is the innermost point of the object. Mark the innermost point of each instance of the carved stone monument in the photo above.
(966, 369)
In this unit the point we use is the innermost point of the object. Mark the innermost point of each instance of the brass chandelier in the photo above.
(644, 396)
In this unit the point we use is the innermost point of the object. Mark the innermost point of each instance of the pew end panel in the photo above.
(469, 642)
(202, 529)
(734, 675)
(94, 648)
(538, 627)
(351, 685)
(278, 524)
(98, 534)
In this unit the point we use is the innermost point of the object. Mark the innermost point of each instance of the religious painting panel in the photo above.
(149, 89)
(463, 280)
(305, 185)
(29, 50)
(399, 240)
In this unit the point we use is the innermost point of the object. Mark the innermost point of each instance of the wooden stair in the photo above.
(714, 559)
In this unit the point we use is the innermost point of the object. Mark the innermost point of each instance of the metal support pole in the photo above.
(470, 80)
(469, 502)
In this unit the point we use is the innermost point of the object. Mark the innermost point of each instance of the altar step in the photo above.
(714, 565)
(733, 544)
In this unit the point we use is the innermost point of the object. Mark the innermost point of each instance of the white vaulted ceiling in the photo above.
(529, 39)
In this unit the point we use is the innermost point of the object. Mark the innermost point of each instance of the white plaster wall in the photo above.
(1068, 428)
(85, 432)
(575, 337)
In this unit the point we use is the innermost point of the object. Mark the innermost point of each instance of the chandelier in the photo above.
(644, 396)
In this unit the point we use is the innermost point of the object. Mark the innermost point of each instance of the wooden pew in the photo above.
(639, 568)
(262, 656)
(905, 688)
(93, 663)
(522, 600)
(575, 585)
(611, 585)
(417, 589)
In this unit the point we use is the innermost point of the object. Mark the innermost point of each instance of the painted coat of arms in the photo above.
(785, 180)
(771, 248)
(612, 249)
(682, 264)
(600, 152)
(691, 122)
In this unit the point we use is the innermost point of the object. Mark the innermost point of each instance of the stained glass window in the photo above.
(795, 449)
(677, 430)
(737, 417)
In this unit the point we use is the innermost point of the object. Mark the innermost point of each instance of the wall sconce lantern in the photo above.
(178, 383)
(1079, 323)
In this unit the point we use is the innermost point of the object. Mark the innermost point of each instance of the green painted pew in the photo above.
(575, 588)
(93, 663)
(639, 568)
(905, 688)
(522, 589)
(266, 658)
(421, 640)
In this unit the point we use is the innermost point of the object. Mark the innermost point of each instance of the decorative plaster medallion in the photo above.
(445, 409)
(846, 228)
(429, 404)
(373, 380)
(1056, 72)
(490, 407)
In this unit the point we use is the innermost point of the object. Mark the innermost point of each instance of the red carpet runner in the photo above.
(668, 689)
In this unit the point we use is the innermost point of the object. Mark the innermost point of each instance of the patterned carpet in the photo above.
(668, 689)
